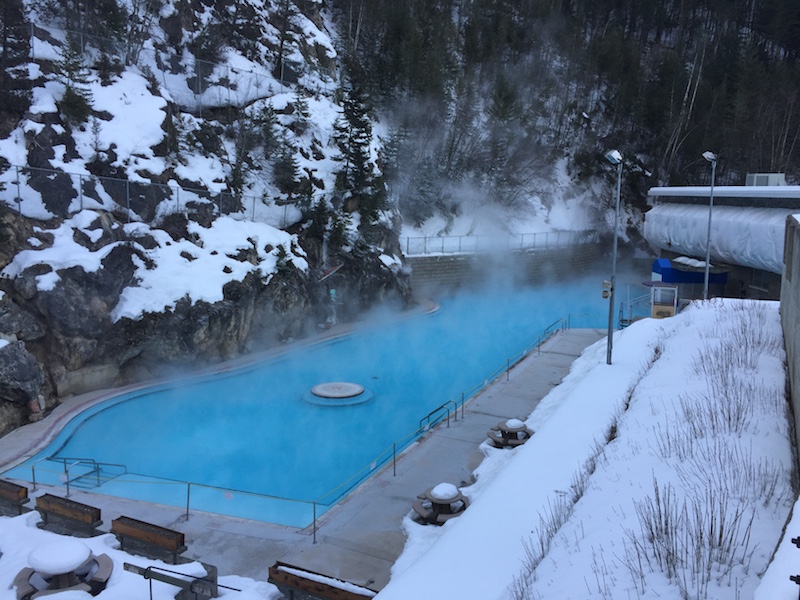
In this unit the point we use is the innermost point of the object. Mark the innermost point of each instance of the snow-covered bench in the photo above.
(13, 495)
(69, 513)
(315, 584)
(151, 540)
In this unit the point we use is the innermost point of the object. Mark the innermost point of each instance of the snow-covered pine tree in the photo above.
(14, 51)
(76, 103)
(358, 184)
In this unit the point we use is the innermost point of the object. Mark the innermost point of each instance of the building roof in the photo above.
(776, 196)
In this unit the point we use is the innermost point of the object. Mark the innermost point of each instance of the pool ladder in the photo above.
(84, 473)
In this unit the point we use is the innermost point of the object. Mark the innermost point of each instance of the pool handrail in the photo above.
(430, 422)
(95, 470)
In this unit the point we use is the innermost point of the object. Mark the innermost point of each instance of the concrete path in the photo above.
(358, 540)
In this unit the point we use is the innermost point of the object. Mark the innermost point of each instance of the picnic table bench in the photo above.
(68, 512)
(13, 495)
(92, 578)
(151, 540)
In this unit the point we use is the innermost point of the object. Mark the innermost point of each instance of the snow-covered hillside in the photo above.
(171, 119)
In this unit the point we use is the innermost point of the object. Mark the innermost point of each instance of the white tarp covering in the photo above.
(751, 237)
(764, 192)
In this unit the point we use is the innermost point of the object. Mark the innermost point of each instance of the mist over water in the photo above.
(253, 430)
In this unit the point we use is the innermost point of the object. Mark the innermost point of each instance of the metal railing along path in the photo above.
(473, 244)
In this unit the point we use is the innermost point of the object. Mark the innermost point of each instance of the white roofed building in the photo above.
(748, 225)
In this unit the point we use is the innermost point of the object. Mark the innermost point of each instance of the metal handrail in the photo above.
(33, 471)
(630, 305)
(95, 470)
(433, 412)
(99, 464)
(471, 244)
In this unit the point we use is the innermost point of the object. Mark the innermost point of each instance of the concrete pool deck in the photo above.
(359, 539)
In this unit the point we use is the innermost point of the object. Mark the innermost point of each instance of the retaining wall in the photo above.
(790, 314)
(462, 270)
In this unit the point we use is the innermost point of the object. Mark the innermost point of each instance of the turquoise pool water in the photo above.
(252, 446)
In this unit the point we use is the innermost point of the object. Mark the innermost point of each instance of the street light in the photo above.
(615, 158)
(712, 158)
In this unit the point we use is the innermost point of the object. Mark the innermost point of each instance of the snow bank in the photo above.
(564, 516)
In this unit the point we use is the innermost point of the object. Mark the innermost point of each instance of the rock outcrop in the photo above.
(66, 340)
(21, 378)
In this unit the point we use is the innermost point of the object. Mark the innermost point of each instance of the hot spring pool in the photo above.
(253, 446)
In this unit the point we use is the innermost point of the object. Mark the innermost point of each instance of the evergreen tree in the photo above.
(14, 49)
(92, 22)
(266, 123)
(300, 114)
(286, 11)
(356, 182)
(76, 103)
(286, 171)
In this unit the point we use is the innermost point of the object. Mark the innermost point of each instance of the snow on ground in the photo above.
(633, 468)
(19, 536)
(667, 474)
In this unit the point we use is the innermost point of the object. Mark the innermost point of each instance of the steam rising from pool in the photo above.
(268, 437)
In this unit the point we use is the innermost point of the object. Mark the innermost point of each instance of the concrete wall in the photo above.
(463, 270)
(790, 313)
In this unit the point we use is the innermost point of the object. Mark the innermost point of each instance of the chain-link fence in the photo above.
(473, 244)
(44, 193)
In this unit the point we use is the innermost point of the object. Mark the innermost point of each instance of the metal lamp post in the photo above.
(712, 158)
(615, 158)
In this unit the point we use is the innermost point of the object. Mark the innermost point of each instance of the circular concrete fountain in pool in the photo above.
(338, 393)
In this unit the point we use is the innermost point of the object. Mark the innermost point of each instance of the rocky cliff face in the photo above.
(211, 148)
(65, 338)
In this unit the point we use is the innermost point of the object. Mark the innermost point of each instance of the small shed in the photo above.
(688, 275)
(663, 299)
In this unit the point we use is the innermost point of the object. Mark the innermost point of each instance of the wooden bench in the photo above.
(315, 585)
(148, 537)
(13, 495)
(68, 512)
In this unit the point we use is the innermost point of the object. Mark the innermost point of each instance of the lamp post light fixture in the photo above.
(712, 158)
(615, 158)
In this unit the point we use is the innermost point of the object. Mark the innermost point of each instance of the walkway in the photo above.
(360, 539)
